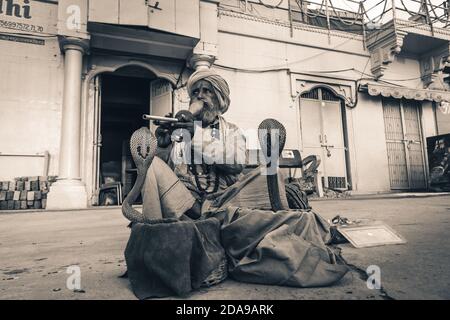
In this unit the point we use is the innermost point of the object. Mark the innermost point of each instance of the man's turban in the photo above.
(218, 83)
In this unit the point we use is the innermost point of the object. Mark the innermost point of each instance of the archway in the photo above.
(120, 98)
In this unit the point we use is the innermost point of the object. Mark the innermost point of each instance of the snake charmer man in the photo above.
(176, 187)
(195, 213)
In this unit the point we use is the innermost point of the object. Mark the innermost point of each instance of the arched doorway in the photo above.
(323, 133)
(121, 98)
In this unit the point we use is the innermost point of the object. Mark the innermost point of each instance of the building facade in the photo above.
(78, 75)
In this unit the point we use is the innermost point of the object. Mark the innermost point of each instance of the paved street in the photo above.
(37, 247)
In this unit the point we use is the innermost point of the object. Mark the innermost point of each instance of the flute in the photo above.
(158, 118)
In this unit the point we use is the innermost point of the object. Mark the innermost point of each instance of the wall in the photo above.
(255, 98)
(30, 93)
(405, 71)
(443, 120)
(370, 166)
(428, 119)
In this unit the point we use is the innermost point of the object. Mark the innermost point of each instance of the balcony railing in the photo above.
(367, 15)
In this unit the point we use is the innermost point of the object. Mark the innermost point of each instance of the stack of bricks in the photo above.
(25, 193)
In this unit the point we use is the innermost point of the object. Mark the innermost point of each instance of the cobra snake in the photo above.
(143, 148)
(271, 133)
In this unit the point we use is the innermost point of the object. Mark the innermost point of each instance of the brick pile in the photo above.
(25, 193)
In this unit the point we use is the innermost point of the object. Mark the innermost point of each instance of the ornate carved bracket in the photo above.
(383, 46)
(200, 61)
(434, 66)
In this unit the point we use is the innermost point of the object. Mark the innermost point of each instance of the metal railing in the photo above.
(374, 13)
(348, 12)
(363, 17)
(45, 155)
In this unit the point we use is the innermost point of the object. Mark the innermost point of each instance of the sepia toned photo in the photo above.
(240, 152)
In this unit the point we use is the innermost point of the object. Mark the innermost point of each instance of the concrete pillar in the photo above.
(69, 192)
(201, 61)
(206, 50)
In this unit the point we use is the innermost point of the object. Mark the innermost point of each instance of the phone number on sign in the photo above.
(21, 26)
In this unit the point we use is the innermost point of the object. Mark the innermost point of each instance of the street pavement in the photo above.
(37, 248)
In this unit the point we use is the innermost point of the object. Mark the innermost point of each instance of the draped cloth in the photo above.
(218, 83)
(286, 248)
(172, 258)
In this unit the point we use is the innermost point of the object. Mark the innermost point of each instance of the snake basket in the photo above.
(217, 275)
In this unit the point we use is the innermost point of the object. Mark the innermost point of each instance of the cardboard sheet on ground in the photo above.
(370, 234)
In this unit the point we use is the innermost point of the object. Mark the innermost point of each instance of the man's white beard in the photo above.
(208, 114)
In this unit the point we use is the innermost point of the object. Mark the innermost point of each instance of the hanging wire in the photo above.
(362, 73)
(365, 11)
(283, 66)
(382, 14)
(270, 6)
(308, 14)
(225, 7)
(348, 6)
(336, 11)
(406, 9)
(376, 5)
(358, 15)
(406, 26)
(438, 18)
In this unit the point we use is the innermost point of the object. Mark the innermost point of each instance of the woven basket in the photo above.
(217, 275)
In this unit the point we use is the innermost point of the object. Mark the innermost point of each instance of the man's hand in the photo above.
(163, 136)
(165, 130)
(163, 133)
(185, 121)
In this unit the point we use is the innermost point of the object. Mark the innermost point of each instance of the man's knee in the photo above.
(157, 166)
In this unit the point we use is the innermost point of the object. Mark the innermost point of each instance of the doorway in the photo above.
(404, 144)
(322, 134)
(122, 98)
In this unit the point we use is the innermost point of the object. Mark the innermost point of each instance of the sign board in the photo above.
(25, 20)
(443, 117)
(287, 154)
(438, 148)
(372, 235)
(72, 18)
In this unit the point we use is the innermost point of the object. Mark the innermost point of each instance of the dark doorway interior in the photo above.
(124, 100)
